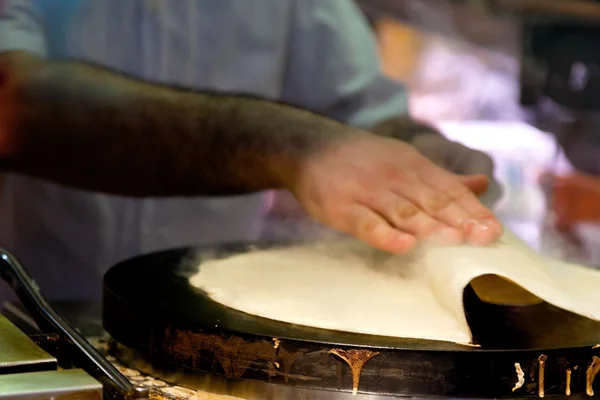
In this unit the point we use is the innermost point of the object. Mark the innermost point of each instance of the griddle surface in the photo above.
(150, 307)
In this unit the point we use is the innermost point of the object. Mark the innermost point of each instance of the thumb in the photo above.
(477, 183)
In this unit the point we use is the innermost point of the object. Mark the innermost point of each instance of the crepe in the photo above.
(349, 286)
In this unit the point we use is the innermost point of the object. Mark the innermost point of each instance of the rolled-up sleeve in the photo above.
(21, 27)
(334, 66)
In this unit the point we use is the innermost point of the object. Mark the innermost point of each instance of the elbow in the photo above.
(16, 70)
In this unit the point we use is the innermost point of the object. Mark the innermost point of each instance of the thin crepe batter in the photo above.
(348, 286)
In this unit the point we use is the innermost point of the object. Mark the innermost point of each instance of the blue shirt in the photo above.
(318, 54)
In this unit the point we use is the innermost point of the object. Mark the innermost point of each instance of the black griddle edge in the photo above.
(175, 326)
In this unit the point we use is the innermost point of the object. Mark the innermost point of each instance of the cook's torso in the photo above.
(69, 238)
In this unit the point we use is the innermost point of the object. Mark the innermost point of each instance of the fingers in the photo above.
(436, 203)
(405, 216)
(372, 228)
(452, 199)
(460, 207)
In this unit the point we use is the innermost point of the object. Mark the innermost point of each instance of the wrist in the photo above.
(303, 138)
(329, 139)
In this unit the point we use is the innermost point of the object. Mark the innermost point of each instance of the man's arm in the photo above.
(90, 128)
(79, 125)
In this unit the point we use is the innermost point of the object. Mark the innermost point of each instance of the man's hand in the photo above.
(388, 194)
(449, 155)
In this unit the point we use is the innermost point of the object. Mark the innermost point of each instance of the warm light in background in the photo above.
(399, 48)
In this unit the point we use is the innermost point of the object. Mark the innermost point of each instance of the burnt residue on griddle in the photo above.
(520, 377)
(590, 375)
(356, 359)
(541, 374)
(288, 358)
(234, 354)
(532, 384)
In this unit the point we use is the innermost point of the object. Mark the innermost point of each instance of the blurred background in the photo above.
(519, 79)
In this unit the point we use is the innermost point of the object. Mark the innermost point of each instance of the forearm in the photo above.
(91, 128)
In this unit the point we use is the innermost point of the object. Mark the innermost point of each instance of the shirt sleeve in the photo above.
(333, 65)
(21, 27)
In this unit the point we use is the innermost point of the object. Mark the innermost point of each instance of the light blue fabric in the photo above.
(317, 54)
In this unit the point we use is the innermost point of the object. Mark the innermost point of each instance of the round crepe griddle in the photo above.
(150, 307)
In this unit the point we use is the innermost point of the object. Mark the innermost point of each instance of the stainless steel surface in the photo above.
(13, 273)
(18, 353)
(55, 385)
(211, 386)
